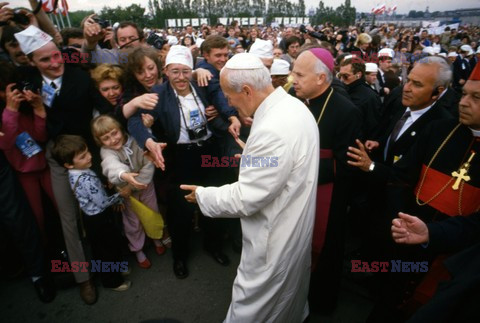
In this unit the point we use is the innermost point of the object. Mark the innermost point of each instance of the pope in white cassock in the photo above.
(275, 200)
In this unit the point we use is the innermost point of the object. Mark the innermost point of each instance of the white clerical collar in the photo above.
(57, 81)
(476, 133)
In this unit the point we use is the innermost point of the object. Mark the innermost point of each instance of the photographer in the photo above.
(181, 122)
(23, 18)
(126, 35)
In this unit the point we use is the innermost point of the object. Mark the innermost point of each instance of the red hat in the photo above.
(475, 75)
(325, 56)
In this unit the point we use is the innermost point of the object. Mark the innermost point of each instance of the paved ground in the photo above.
(156, 294)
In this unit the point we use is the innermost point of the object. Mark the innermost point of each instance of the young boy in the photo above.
(72, 153)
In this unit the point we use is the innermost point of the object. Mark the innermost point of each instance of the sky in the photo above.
(403, 6)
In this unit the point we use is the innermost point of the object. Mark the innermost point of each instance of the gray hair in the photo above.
(444, 76)
(258, 78)
(321, 68)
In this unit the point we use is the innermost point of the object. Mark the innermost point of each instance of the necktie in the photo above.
(398, 126)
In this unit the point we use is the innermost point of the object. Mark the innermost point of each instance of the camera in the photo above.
(20, 18)
(25, 86)
(103, 23)
(156, 41)
(197, 132)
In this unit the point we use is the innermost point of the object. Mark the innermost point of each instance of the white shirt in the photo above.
(382, 73)
(57, 82)
(414, 115)
(276, 207)
(476, 133)
(188, 105)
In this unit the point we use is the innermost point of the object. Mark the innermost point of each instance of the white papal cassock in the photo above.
(276, 205)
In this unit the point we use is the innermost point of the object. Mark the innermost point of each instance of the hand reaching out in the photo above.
(130, 178)
(191, 197)
(234, 127)
(409, 229)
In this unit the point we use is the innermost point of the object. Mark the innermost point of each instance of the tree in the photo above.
(76, 17)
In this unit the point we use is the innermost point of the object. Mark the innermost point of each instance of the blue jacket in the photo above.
(166, 114)
(215, 93)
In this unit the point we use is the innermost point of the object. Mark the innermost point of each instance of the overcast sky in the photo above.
(403, 6)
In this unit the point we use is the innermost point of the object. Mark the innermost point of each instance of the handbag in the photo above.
(151, 220)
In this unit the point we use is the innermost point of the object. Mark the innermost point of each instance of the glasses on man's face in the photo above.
(344, 76)
(176, 73)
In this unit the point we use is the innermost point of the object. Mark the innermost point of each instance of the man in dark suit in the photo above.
(69, 95)
(385, 57)
(181, 123)
(406, 118)
(438, 178)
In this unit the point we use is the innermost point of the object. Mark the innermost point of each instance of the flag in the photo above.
(47, 5)
(64, 7)
(378, 10)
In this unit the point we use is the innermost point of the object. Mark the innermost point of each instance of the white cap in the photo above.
(442, 54)
(179, 55)
(371, 68)
(280, 67)
(244, 61)
(262, 48)
(172, 40)
(452, 54)
(199, 42)
(428, 50)
(32, 39)
(386, 52)
(466, 48)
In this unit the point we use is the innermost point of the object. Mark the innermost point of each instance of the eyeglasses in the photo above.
(176, 73)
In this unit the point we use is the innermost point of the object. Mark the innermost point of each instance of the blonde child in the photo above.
(124, 163)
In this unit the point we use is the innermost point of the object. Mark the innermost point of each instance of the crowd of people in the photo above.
(374, 123)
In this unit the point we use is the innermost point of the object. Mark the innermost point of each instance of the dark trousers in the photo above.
(106, 243)
(187, 169)
(16, 219)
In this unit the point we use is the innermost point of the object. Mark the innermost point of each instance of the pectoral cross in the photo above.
(462, 174)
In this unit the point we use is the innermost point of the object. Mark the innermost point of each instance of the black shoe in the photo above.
(180, 269)
(220, 257)
(45, 289)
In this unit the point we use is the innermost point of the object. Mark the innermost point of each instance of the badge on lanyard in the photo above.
(48, 94)
(27, 145)
(195, 119)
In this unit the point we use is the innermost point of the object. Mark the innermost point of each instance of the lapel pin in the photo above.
(413, 133)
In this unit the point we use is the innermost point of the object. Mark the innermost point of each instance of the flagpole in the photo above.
(56, 21)
(61, 20)
(68, 20)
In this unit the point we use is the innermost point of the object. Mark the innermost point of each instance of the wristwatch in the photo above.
(371, 167)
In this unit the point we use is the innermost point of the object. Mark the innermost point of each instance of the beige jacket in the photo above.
(129, 159)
